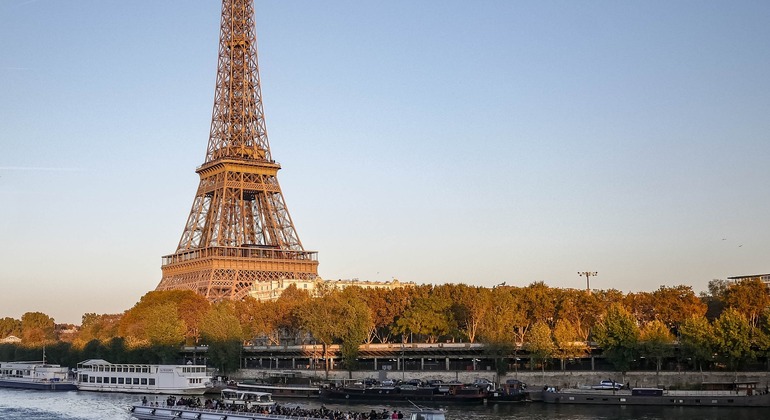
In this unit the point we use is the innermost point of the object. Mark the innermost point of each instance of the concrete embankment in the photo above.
(535, 379)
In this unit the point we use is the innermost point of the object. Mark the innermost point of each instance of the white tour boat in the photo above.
(35, 375)
(237, 404)
(100, 375)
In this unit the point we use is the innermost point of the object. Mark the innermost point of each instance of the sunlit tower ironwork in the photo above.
(587, 275)
(239, 231)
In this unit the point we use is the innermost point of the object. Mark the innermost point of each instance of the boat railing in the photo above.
(226, 413)
(690, 393)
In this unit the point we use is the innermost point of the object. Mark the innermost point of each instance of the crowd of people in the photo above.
(282, 410)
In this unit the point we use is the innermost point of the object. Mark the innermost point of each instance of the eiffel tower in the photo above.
(239, 231)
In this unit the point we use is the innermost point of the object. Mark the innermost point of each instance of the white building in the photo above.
(272, 290)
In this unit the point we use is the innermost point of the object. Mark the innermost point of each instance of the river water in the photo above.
(76, 405)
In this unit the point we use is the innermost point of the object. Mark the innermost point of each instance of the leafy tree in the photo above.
(471, 305)
(539, 303)
(715, 298)
(748, 297)
(569, 342)
(220, 323)
(641, 306)
(618, 335)
(10, 326)
(288, 308)
(761, 336)
(732, 334)
(222, 331)
(697, 340)
(539, 344)
(580, 309)
(259, 320)
(656, 342)
(37, 328)
(674, 305)
(428, 316)
(356, 330)
(505, 322)
(97, 327)
(162, 327)
(225, 355)
(191, 307)
(323, 320)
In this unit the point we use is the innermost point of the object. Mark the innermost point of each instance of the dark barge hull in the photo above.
(396, 394)
(693, 399)
(42, 386)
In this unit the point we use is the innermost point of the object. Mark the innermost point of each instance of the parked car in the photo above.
(608, 384)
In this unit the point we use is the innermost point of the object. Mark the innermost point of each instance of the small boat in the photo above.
(36, 375)
(283, 390)
(241, 400)
(102, 376)
(427, 414)
(512, 391)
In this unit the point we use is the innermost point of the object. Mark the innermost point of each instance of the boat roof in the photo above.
(41, 364)
(245, 392)
(35, 362)
(102, 362)
(95, 362)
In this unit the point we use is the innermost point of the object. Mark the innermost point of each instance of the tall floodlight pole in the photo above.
(587, 275)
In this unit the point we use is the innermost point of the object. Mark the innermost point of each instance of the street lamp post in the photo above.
(587, 275)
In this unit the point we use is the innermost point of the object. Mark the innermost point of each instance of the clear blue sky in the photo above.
(433, 141)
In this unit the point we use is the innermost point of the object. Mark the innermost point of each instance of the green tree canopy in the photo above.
(656, 342)
(10, 326)
(618, 335)
(569, 342)
(696, 336)
(220, 323)
(749, 297)
(102, 328)
(37, 328)
(732, 338)
(539, 343)
(430, 317)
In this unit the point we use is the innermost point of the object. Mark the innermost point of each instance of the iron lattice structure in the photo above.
(239, 231)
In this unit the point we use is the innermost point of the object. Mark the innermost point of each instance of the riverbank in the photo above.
(536, 379)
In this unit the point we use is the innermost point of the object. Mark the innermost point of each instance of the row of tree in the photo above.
(730, 324)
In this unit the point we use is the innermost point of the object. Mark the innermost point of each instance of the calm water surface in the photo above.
(73, 405)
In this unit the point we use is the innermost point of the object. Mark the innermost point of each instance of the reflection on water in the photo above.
(74, 405)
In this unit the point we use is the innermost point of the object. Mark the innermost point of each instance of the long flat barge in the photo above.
(660, 397)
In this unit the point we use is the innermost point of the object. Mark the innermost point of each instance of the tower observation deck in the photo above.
(239, 231)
